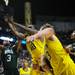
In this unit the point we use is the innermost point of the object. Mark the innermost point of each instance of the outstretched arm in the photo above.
(47, 33)
(19, 35)
(13, 28)
(1, 46)
(32, 31)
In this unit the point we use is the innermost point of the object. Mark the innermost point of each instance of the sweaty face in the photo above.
(6, 43)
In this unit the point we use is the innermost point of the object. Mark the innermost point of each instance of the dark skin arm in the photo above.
(1, 46)
(17, 46)
(12, 25)
(32, 31)
(26, 28)
(13, 28)
(18, 34)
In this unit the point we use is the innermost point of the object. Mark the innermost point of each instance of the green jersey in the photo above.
(9, 58)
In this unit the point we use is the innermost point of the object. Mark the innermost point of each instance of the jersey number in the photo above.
(32, 46)
(8, 58)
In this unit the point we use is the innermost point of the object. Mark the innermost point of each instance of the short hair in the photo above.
(47, 25)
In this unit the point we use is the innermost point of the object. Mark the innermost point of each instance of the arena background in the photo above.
(59, 13)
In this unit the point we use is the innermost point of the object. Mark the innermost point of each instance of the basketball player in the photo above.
(25, 69)
(36, 48)
(9, 58)
(61, 62)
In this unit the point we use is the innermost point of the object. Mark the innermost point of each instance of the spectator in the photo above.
(25, 70)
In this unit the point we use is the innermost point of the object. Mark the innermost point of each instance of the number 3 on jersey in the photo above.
(8, 58)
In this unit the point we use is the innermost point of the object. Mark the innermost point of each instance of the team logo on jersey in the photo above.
(8, 51)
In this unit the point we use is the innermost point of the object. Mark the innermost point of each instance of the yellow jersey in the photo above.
(24, 71)
(36, 49)
(35, 72)
(61, 62)
(46, 73)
